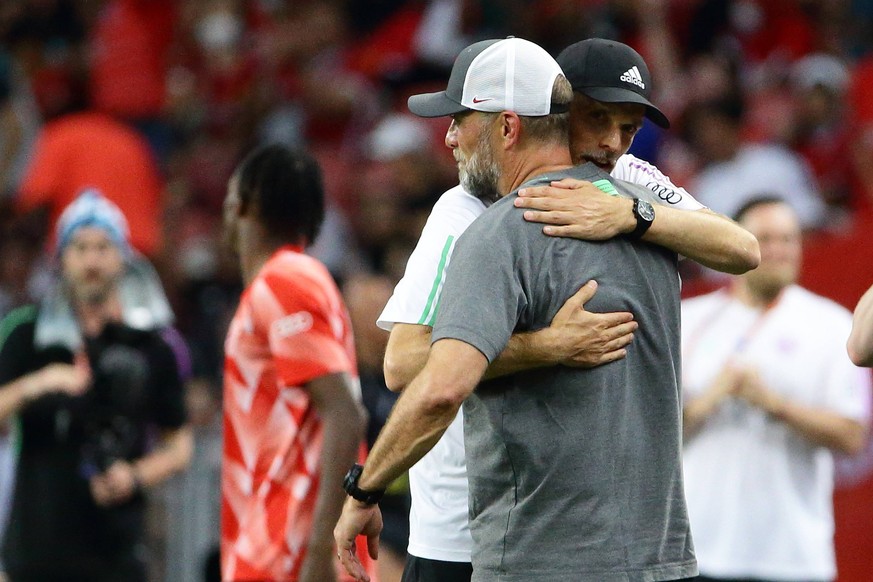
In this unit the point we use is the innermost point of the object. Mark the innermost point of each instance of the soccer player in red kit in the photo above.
(293, 421)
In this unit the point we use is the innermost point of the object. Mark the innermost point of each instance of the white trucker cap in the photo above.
(510, 74)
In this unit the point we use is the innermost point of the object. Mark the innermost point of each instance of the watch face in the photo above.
(645, 210)
(350, 482)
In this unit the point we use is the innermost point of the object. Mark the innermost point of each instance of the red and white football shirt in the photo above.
(291, 327)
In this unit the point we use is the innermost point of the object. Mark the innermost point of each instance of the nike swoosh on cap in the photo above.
(477, 100)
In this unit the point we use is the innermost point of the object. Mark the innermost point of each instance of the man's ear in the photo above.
(244, 207)
(510, 129)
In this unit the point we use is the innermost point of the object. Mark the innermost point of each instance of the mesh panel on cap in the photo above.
(513, 75)
(486, 80)
(534, 92)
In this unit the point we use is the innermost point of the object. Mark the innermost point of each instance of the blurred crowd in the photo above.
(156, 101)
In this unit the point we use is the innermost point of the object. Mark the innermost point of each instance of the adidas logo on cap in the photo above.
(632, 75)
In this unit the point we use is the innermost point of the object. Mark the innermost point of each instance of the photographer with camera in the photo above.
(89, 374)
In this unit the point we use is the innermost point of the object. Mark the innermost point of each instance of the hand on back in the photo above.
(586, 339)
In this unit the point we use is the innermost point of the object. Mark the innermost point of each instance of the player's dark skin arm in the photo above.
(344, 422)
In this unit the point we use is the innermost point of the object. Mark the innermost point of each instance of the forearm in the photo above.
(343, 433)
(414, 427)
(821, 427)
(409, 346)
(708, 238)
(860, 344)
(424, 411)
(171, 456)
(524, 351)
(15, 395)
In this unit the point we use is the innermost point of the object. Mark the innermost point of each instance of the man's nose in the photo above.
(611, 140)
(452, 136)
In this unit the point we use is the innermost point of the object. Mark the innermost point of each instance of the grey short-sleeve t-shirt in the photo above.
(574, 473)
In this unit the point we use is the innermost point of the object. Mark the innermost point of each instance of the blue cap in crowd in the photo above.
(91, 208)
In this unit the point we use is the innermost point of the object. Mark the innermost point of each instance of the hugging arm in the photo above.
(576, 337)
(578, 209)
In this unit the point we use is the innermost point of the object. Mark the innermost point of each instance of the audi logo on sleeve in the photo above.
(668, 195)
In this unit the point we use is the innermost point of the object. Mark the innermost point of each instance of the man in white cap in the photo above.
(609, 106)
(89, 372)
(574, 473)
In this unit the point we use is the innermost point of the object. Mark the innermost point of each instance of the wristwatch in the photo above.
(645, 214)
(350, 484)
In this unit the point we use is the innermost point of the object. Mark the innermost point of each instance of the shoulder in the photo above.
(817, 309)
(502, 210)
(175, 342)
(455, 210)
(502, 230)
(291, 281)
(290, 270)
(633, 189)
(633, 169)
(458, 197)
(627, 164)
(768, 154)
(663, 191)
(17, 318)
(694, 305)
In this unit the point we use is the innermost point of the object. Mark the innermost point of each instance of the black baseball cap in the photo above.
(611, 72)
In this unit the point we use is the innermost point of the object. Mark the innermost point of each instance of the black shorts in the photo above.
(423, 570)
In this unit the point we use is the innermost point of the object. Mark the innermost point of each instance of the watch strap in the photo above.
(350, 484)
(643, 223)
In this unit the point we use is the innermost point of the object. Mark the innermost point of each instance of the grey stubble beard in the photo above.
(479, 176)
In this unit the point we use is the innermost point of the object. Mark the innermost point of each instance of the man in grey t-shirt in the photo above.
(574, 474)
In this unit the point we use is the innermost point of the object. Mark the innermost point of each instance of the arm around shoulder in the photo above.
(704, 236)
(578, 209)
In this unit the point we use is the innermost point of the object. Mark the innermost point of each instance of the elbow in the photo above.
(748, 256)
(445, 398)
(752, 254)
(856, 357)
(859, 357)
(851, 446)
(853, 441)
(393, 370)
(346, 420)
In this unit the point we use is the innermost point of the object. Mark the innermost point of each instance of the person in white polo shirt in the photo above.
(606, 113)
(770, 397)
